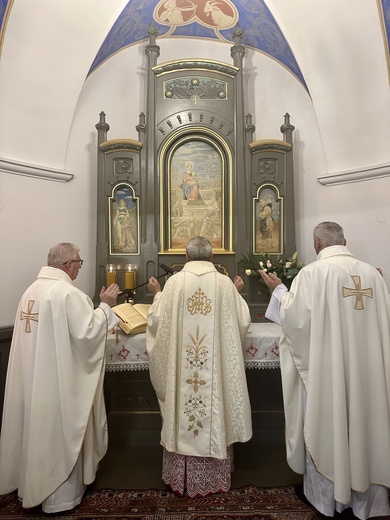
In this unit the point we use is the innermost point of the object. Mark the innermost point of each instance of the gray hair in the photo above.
(199, 248)
(329, 234)
(62, 253)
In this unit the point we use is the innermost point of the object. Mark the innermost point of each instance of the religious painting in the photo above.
(124, 221)
(268, 221)
(196, 189)
(215, 15)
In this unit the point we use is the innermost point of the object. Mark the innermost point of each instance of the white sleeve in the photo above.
(112, 318)
(273, 310)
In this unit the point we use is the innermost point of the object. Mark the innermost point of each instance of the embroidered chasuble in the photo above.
(54, 413)
(335, 363)
(196, 328)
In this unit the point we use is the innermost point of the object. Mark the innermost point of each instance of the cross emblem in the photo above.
(196, 382)
(358, 292)
(29, 315)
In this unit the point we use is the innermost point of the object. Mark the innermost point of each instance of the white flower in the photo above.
(261, 264)
(248, 272)
(288, 264)
(269, 264)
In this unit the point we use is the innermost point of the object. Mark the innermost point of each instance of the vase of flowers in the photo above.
(285, 269)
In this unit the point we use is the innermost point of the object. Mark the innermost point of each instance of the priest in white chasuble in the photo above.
(196, 328)
(54, 428)
(335, 363)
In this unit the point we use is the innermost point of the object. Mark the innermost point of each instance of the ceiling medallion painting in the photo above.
(221, 14)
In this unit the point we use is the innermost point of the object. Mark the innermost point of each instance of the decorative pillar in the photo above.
(102, 237)
(150, 223)
(241, 193)
(287, 129)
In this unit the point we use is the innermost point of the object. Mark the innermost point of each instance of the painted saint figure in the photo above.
(267, 223)
(124, 227)
(190, 183)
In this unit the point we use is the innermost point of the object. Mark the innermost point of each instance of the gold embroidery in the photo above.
(29, 315)
(197, 353)
(196, 382)
(358, 292)
(199, 303)
(195, 410)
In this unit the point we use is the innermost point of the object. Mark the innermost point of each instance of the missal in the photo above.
(132, 317)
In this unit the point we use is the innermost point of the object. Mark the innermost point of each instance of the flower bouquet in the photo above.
(285, 269)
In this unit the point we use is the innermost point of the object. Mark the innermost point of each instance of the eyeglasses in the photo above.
(80, 262)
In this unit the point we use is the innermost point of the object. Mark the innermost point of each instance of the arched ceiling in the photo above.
(214, 19)
(201, 19)
(338, 52)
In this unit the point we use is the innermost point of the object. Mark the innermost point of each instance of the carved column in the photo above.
(102, 236)
(287, 130)
(241, 198)
(150, 196)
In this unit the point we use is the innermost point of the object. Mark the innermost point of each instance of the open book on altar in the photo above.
(132, 317)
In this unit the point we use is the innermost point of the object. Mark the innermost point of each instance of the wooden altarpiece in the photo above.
(193, 169)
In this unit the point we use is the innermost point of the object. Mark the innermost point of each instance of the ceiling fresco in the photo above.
(200, 19)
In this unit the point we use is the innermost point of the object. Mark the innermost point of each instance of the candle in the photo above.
(129, 279)
(111, 275)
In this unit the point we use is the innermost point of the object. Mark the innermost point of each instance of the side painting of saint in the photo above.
(196, 193)
(123, 221)
(268, 219)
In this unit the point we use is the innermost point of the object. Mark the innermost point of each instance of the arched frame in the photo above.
(195, 190)
(123, 215)
(268, 221)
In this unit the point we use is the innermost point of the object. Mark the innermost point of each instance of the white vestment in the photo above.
(196, 328)
(335, 363)
(54, 414)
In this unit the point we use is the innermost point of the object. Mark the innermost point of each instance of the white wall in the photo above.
(35, 214)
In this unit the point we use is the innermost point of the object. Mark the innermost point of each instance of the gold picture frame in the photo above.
(195, 192)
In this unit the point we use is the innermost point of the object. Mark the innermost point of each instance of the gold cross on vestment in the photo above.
(29, 315)
(358, 292)
(196, 382)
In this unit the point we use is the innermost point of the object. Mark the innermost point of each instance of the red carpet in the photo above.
(247, 503)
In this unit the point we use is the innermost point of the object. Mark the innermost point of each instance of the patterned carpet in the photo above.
(246, 503)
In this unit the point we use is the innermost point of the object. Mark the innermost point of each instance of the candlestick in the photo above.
(111, 274)
(129, 277)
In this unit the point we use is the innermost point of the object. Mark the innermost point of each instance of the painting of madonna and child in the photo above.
(267, 211)
(196, 194)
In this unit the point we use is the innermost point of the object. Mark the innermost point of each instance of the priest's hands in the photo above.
(109, 295)
(270, 279)
(154, 285)
(238, 283)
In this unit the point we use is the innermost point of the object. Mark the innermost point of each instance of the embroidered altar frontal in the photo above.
(128, 352)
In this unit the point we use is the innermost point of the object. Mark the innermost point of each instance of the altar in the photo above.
(128, 352)
(134, 420)
(130, 396)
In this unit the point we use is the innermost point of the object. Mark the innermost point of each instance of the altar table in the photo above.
(128, 352)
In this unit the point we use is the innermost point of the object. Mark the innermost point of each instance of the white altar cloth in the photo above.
(128, 352)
